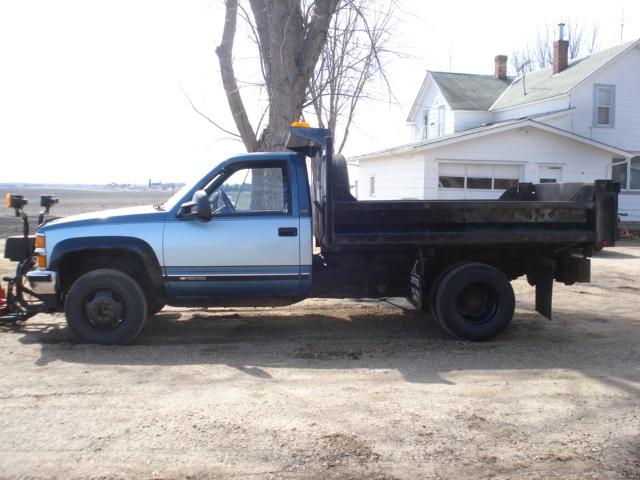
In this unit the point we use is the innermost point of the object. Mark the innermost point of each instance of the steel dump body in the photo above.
(463, 222)
(531, 216)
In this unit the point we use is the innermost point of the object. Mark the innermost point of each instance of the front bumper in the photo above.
(43, 282)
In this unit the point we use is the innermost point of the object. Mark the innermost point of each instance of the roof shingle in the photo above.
(466, 91)
(543, 84)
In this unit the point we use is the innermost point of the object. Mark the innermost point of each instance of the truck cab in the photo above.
(258, 239)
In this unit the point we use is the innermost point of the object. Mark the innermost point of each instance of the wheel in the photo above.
(154, 306)
(430, 295)
(105, 306)
(474, 301)
(340, 179)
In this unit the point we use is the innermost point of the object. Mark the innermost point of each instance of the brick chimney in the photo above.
(560, 51)
(501, 66)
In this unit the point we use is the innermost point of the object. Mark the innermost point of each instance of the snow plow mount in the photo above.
(14, 304)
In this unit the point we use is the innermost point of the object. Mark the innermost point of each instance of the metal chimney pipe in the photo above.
(561, 31)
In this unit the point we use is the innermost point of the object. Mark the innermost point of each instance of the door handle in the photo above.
(287, 232)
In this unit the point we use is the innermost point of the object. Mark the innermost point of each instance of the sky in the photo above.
(93, 91)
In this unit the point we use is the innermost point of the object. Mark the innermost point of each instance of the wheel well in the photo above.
(75, 264)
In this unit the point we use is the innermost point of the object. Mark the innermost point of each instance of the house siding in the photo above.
(624, 73)
(415, 175)
(535, 108)
(528, 147)
(629, 207)
(396, 177)
(433, 99)
(466, 119)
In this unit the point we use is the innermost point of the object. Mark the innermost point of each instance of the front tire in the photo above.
(105, 306)
(155, 306)
(474, 301)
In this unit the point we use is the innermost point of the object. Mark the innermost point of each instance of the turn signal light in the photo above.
(40, 241)
(7, 200)
(41, 260)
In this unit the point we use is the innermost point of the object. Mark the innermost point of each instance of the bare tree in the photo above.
(354, 55)
(290, 36)
(521, 60)
(582, 40)
(318, 54)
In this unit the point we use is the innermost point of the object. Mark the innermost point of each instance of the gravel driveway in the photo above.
(335, 389)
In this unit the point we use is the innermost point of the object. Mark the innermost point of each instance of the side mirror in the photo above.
(198, 207)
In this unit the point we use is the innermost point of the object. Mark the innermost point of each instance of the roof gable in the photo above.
(461, 91)
(543, 84)
(465, 91)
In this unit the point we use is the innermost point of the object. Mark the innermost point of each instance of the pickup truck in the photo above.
(273, 228)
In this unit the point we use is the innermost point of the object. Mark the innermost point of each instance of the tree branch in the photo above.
(229, 82)
(316, 35)
(208, 119)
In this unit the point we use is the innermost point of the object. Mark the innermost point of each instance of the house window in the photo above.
(634, 173)
(372, 186)
(604, 103)
(479, 176)
(627, 172)
(450, 182)
(425, 125)
(441, 113)
(479, 183)
(504, 183)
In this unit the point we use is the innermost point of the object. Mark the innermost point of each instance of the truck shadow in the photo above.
(260, 344)
(615, 254)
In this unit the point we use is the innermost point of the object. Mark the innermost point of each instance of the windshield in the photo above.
(176, 197)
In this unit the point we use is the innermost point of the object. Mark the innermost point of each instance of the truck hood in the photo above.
(145, 214)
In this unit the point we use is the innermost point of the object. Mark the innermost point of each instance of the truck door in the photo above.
(251, 246)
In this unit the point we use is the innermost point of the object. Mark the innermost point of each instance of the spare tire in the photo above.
(340, 179)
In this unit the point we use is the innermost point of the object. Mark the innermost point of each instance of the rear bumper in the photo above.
(43, 282)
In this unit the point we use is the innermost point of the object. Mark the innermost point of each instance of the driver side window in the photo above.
(252, 190)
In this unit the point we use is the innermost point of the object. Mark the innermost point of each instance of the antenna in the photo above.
(621, 25)
(522, 70)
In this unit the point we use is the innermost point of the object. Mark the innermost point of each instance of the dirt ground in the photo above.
(335, 389)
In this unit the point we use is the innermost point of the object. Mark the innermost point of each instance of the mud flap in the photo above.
(541, 274)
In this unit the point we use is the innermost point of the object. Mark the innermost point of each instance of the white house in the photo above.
(472, 136)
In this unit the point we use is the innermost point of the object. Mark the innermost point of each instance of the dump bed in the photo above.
(563, 214)
(560, 214)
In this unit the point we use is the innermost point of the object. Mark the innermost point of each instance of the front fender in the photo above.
(110, 245)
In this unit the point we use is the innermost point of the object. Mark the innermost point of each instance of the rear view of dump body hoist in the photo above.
(19, 302)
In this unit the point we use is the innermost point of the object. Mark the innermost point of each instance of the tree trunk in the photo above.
(289, 47)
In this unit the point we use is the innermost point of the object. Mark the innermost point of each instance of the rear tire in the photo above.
(429, 305)
(474, 301)
(105, 306)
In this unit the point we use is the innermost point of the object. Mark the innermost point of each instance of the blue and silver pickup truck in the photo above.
(245, 234)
